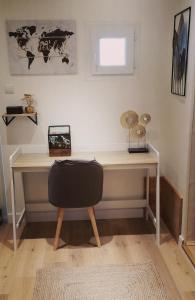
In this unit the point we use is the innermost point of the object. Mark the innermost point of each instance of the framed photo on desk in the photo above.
(59, 140)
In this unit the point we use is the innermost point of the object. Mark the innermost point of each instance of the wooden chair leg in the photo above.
(60, 218)
(94, 225)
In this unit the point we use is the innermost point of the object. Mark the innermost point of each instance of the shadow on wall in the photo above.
(24, 131)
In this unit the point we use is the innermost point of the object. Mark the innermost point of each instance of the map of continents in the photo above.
(43, 42)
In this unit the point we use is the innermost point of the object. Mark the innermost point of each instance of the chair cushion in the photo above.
(75, 183)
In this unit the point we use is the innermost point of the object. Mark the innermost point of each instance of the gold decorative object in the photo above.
(137, 131)
(29, 101)
(145, 118)
(129, 119)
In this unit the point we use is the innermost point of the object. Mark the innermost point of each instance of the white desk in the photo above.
(41, 162)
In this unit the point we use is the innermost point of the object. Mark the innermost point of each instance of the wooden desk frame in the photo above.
(120, 164)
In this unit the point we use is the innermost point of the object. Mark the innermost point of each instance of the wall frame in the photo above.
(42, 47)
(112, 32)
(180, 52)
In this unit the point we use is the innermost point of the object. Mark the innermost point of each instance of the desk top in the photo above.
(106, 159)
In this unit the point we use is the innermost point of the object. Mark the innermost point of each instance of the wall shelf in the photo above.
(8, 118)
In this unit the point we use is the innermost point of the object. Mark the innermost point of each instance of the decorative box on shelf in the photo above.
(14, 110)
(59, 140)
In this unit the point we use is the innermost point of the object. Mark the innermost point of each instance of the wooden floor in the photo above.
(123, 242)
(192, 250)
(189, 248)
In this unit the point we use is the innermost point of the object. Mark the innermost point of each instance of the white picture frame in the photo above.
(112, 31)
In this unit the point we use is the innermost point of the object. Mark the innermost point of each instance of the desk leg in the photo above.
(147, 192)
(158, 204)
(13, 210)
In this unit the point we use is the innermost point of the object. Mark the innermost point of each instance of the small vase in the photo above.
(29, 109)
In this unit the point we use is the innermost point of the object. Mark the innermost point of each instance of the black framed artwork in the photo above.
(180, 52)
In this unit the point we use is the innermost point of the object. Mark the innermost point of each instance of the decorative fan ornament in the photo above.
(139, 131)
(129, 119)
(145, 118)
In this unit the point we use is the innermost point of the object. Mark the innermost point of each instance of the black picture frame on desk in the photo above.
(59, 140)
(180, 52)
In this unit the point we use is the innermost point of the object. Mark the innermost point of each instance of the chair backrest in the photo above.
(75, 183)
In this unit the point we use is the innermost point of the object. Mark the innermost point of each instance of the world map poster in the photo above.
(42, 47)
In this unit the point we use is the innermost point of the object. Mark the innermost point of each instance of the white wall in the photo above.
(178, 126)
(93, 105)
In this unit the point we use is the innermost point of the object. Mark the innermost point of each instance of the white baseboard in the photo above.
(181, 240)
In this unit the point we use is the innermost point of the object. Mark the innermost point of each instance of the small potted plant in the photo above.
(29, 101)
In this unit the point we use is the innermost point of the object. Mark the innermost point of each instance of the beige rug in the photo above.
(122, 282)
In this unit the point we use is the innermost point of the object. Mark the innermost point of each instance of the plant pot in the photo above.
(29, 109)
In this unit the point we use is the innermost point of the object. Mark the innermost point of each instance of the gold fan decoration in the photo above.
(137, 131)
(145, 119)
(129, 119)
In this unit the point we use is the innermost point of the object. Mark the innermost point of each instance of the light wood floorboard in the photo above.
(190, 250)
(123, 242)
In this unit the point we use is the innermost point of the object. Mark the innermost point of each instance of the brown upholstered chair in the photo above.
(75, 184)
